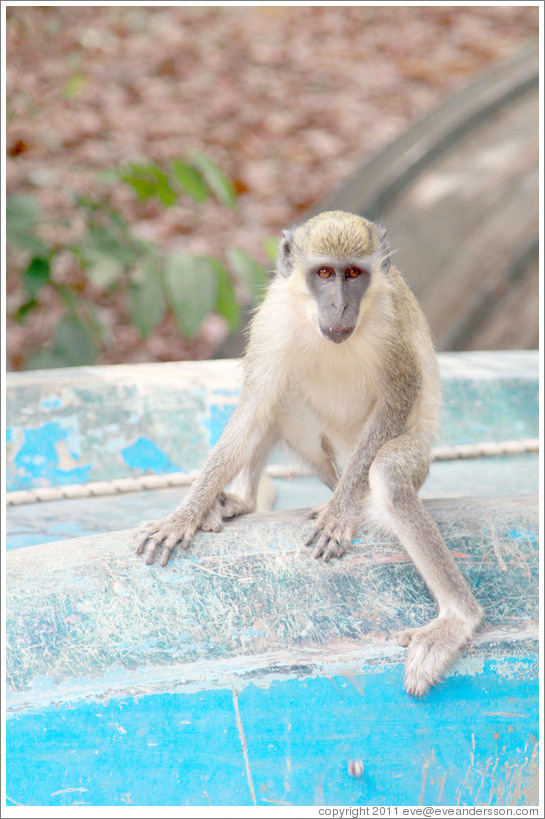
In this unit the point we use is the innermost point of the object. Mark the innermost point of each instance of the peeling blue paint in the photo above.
(144, 454)
(286, 737)
(186, 748)
(38, 456)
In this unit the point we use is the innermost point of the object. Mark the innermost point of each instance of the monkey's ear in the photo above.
(284, 261)
(384, 250)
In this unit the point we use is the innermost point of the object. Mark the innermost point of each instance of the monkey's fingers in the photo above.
(310, 539)
(173, 540)
(321, 546)
(143, 534)
(335, 548)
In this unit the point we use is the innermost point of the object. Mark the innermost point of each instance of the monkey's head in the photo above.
(335, 256)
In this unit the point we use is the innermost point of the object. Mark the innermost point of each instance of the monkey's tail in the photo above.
(432, 648)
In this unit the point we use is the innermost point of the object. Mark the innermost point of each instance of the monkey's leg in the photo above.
(244, 441)
(396, 474)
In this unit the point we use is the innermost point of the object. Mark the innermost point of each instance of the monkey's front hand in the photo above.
(332, 532)
(178, 527)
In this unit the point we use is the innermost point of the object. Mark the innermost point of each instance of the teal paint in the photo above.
(471, 741)
(256, 578)
(492, 408)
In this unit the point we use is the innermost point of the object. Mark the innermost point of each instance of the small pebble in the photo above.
(355, 768)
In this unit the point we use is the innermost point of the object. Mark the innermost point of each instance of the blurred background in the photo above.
(155, 154)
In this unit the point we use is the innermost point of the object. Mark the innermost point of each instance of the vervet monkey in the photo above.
(340, 365)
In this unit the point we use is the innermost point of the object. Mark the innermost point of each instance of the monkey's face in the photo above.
(334, 256)
(337, 288)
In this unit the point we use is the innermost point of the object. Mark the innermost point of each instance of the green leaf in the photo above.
(73, 343)
(190, 179)
(68, 296)
(150, 180)
(163, 190)
(21, 217)
(36, 275)
(146, 297)
(105, 252)
(248, 271)
(143, 187)
(227, 304)
(191, 289)
(24, 309)
(214, 178)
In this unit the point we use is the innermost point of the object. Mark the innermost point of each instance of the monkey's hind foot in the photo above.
(225, 507)
(431, 649)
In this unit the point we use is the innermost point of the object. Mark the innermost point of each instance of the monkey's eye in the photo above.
(352, 272)
(325, 272)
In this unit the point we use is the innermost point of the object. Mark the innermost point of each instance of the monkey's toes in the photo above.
(213, 521)
(418, 684)
(431, 650)
(231, 507)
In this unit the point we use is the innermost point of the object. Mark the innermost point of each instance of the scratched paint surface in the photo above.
(246, 673)
(472, 741)
(249, 592)
(100, 423)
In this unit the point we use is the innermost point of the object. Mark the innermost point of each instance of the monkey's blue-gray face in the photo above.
(338, 292)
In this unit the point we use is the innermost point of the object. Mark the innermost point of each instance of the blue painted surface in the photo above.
(100, 416)
(31, 524)
(145, 455)
(38, 456)
(219, 416)
(471, 741)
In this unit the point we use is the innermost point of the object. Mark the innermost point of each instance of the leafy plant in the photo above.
(152, 282)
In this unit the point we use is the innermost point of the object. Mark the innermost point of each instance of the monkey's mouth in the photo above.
(336, 334)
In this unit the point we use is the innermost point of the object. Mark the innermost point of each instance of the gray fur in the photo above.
(339, 360)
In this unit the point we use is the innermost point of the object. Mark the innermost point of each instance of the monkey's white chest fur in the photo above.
(331, 396)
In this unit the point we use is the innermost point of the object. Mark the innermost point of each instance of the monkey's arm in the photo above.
(244, 442)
